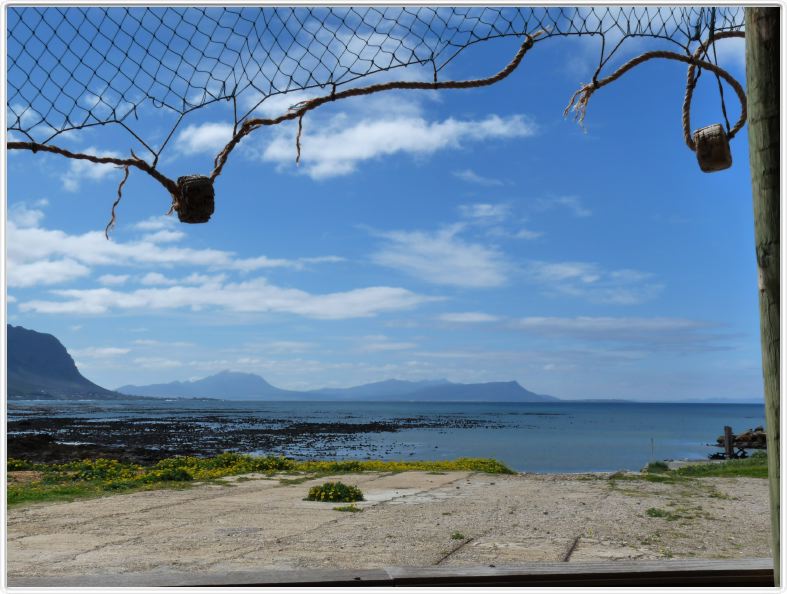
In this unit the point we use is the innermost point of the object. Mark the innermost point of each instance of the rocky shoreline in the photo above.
(145, 440)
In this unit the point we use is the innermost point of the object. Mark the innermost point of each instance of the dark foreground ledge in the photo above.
(677, 572)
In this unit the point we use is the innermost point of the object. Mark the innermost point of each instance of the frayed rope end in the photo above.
(579, 103)
(111, 223)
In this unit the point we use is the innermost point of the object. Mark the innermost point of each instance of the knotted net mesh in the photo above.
(76, 67)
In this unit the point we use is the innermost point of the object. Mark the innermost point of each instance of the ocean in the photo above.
(537, 437)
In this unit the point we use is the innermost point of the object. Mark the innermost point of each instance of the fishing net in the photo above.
(71, 68)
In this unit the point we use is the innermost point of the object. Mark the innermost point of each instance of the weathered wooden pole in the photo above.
(729, 453)
(762, 81)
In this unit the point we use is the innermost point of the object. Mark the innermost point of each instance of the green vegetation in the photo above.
(94, 478)
(458, 536)
(680, 512)
(335, 492)
(755, 466)
(348, 508)
(655, 512)
(658, 466)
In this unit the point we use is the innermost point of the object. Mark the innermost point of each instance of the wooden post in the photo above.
(762, 82)
(728, 452)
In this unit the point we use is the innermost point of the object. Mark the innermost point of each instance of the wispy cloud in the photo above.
(485, 213)
(156, 278)
(590, 281)
(644, 333)
(339, 145)
(381, 343)
(468, 317)
(252, 296)
(442, 257)
(208, 138)
(41, 256)
(98, 352)
(472, 177)
(22, 215)
(155, 223)
(571, 203)
(113, 279)
(79, 170)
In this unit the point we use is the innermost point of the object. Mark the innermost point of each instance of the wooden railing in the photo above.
(671, 572)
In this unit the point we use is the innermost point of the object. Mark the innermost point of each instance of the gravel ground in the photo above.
(408, 519)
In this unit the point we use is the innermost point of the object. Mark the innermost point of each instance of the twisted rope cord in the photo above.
(579, 100)
(134, 161)
(250, 125)
(301, 109)
(691, 83)
(111, 222)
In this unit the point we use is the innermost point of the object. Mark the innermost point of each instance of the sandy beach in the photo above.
(259, 522)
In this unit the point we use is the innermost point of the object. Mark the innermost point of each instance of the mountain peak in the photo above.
(226, 384)
(39, 365)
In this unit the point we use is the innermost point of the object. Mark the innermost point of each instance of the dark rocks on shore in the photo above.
(145, 440)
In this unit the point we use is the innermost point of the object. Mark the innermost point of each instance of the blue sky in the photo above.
(470, 235)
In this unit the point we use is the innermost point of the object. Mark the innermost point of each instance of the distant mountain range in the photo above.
(225, 385)
(40, 367)
(232, 385)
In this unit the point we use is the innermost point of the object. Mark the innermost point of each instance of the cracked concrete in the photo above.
(408, 520)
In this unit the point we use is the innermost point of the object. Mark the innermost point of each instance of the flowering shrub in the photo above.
(101, 469)
(335, 492)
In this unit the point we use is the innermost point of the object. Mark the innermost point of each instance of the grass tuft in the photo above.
(348, 508)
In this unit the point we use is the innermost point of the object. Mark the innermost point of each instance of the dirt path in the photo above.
(412, 518)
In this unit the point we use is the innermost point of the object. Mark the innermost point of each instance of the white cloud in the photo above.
(339, 145)
(527, 234)
(381, 343)
(155, 223)
(572, 203)
(156, 363)
(98, 352)
(276, 105)
(38, 255)
(150, 342)
(646, 334)
(589, 281)
(554, 272)
(730, 52)
(113, 279)
(209, 138)
(609, 326)
(468, 317)
(156, 278)
(442, 258)
(164, 236)
(256, 295)
(485, 213)
(23, 216)
(80, 170)
(45, 272)
(472, 177)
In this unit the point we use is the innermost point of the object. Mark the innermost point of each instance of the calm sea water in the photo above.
(541, 437)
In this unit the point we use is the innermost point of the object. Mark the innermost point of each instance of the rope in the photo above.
(301, 109)
(579, 100)
(111, 222)
(691, 82)
(134, 161)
